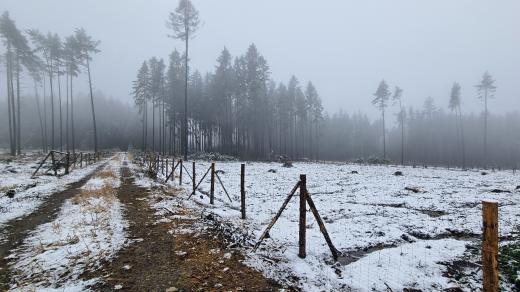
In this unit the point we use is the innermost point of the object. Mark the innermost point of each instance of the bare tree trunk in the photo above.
(462, 139)
(45, 112)
(145, 125)
(72, 129)
(13, 112)
(61, 116)
(402, 132)
(485, 127)
(384, 136)
(37, 98)
(18, 110)
(52, 105)
(153, 124)
(92, 106)
(187, 30)
(8, 79)
(67, 112)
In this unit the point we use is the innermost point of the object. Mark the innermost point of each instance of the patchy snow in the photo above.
(362, 211)
(30, 192)
(89, 228)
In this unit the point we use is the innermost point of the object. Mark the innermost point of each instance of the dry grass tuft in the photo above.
(107, 192)
(107, 173)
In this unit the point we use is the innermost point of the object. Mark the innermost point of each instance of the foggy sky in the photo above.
(344, 47)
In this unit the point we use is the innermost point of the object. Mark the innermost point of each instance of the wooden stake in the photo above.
(41, 163)
(242, 191)
(323, 230)
(275, 218)
(223, 187)
(197, 186)
(81, 159)
(54, 163)
(180, 173)
(174, 166)
(303, 216)
(193, 175)
(212, 186)
(490, 246)
(67, 162)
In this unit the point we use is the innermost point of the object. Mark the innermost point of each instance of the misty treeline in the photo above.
(237, 109)
(51, 64)
(117, 122)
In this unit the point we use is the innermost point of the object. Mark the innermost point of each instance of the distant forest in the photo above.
(238, 109)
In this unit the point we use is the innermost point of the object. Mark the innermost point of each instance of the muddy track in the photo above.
(150, 262)
(17, 230)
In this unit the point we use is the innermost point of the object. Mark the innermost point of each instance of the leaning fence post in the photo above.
(490, 246)
(54, 163)
(193, 174)
(242, 190)
(67, 162)
(212, 187)
(303, 212)
(180, 173)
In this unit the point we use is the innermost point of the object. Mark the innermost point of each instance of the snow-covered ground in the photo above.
(400, 236)
(30, 192)
(89, 228)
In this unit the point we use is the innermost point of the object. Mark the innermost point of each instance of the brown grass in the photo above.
(106, 192)
(107, 173)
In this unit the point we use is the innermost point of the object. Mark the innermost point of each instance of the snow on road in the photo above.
(432, 221)
(89, 228)
(30, 192)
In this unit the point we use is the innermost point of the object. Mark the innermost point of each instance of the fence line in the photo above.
(489, 209)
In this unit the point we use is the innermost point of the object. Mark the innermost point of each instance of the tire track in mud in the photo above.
(18, 229)
(155, 260)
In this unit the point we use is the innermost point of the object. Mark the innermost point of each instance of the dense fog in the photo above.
(54, 86)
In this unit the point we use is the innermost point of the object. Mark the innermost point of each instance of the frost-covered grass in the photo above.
(30, 192)
(362, 211)
(89, 228)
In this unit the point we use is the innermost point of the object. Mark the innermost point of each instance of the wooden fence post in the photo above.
(490, 246)
(67, 163)
(180, 173)
(81, 160)
(212, 187)
(193, 174)
(303, 213)
(54, 163)
(242, 190)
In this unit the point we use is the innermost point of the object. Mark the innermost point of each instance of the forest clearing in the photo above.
(419, 230)
(196, 145)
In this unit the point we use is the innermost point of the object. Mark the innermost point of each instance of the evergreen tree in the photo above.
(184, 22)
(86, 47)
(486, 89)
(455, 107)
(401, 116)
(141, 92)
